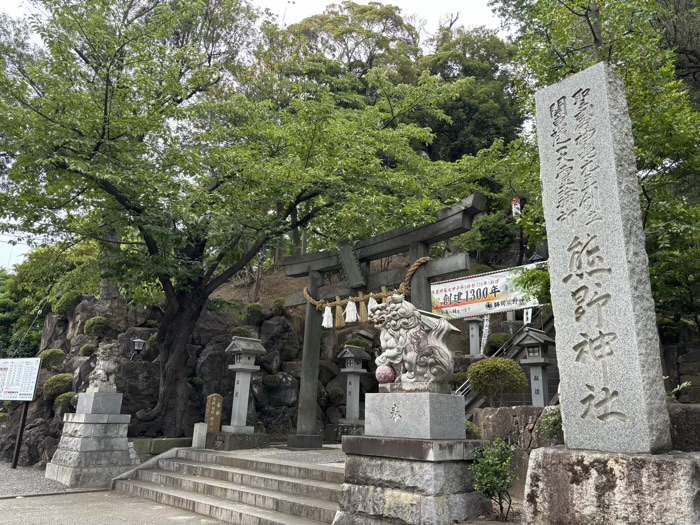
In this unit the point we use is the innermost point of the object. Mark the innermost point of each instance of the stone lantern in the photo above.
(536, 344)
(352, 358)
(245, 351)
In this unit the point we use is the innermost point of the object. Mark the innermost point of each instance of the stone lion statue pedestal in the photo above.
(412, 466)
(94, 447)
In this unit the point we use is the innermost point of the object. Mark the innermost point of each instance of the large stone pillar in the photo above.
(420, 287)
(474, 337)
(307, 436)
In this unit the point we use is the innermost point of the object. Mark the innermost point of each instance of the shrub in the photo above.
(151, 323)
(458, 379)
(67, 303)
(278, 307)
(478, 269)
(492, 377)
(362, 343)
(87, 349)
(271, 382)
(473, 430)
(57, 385)
(239, 331)
(254, 313)
(96, 327)
(4, 417)
(63, 401)
(152, 343)
(336, 395)
(550, 425)
(496, 341)
(52, 359)
(492, 474)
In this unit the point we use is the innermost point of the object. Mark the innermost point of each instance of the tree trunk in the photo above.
(174, 333)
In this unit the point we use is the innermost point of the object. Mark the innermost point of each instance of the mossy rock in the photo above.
(254, 313)
(239, 331)
(362, 343)
(96, 327)
(4, 417)
(336, 395)
(57, 385)
(271, 382)
(278, 307)
(496, 341)
(67, 303)
(52, 359)
(63, 402)
(87, 349)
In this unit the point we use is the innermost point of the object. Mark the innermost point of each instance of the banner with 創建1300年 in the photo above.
(484, 294)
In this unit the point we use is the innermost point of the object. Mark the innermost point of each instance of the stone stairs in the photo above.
(238, 489)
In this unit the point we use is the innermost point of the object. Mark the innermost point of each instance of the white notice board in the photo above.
(18, 378)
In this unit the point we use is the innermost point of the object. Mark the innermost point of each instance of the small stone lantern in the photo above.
(352, 359)
(536, 344)
(245, 351)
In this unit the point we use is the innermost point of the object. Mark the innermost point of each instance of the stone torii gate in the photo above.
(355, 260)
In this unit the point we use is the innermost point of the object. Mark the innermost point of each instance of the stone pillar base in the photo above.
(580, 487)
(437, 484)
(238, 429)
(228, 441)
(93, 450)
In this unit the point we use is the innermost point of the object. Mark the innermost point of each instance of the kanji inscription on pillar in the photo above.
(611, 388)
(213, 412)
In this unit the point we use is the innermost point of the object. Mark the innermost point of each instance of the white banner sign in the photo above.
(484, 294)
(18, 379)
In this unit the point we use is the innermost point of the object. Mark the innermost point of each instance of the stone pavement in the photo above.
(95, 508)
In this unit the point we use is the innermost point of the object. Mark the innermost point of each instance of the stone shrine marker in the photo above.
(612, 393)
(213, 412)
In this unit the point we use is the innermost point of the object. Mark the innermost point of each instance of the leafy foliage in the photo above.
(473, 430)
(492, 474)
(535, 283)
(493, 377)
(96, 327)
(57, 385)
(52, 359)
(241, 331)
(550, 424)
(271, 382)
(495, 341)
(278, 307)
(63, 402)
(67, 303)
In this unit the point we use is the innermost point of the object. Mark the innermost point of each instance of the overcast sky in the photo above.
(472, 13)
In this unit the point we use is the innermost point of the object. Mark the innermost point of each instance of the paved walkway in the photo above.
(95, 508)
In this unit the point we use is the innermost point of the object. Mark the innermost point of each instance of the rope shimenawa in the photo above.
(404, 288)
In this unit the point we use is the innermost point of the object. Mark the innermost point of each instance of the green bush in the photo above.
(87, 349)
(458, 379)
(239, 331)
(151, 323)
(254, 313)
(477, 269)
(62, 402)
(57, 385)
(550, 425)
(96, 327)
(271, 382)
(52, 359)
(496, 341)
(67, 303)
(152, 343)
(278, 307)
(473, 430)
(4, 417)
(336, 395)
(362, 343)
(492, 474)
(493, 377)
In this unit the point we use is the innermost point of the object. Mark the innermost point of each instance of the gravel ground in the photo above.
(26, 480)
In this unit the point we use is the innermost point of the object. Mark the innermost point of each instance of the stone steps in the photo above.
(238, 489)
(208, 505)
(303, 487)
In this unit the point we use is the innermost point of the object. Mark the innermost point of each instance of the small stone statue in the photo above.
(415, 354)
(102, 378)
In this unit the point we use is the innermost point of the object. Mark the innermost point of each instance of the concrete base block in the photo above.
(99, 403)
(238, 429)
(418, 415)
(304, 441)
(580, 487)
(414, 449)
(405, 491)
(226, 441)
(199, 437)
(92, 477)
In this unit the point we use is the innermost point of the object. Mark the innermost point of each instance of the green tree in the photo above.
(131, 118)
